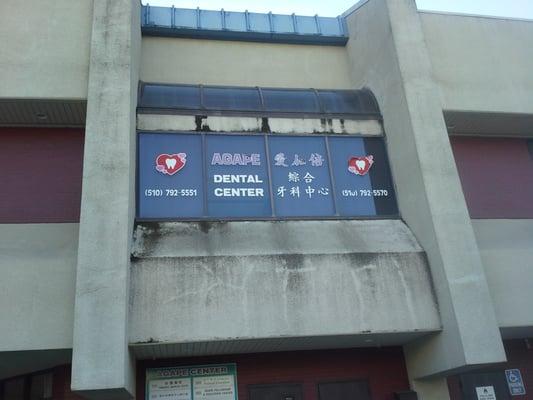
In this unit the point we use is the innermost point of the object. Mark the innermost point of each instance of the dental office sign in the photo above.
(199, 382)
(221, 176)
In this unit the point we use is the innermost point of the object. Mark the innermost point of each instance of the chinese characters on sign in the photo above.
(303, 181)
(204, 382)
(256, 176)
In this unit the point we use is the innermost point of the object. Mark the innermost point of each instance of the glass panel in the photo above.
(235, 21)
(368, 103)
(232, 99)
(259, 22)
(329, 26)
(306, 25)
(282, 23)
(159, 16)
(290, 100)
(161, 96)
(185, 18)
(340, 102)
(210, 20)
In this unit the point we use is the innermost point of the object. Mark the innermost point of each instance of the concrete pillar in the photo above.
(102, 367)
(388, 55)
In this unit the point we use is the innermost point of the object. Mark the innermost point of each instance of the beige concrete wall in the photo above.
(507, 252)
(261, 280)
(388, 54)
(479, 63)
(44, 48)
(38, 270)
(213, 62)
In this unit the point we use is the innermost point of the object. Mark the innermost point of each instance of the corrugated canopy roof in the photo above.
(187, 99)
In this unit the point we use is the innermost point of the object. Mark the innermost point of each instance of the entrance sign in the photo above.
(199, 382)
(223, 176)
(515, 382)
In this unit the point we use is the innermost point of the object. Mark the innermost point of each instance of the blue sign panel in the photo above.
(353, 189)
(300, 176)
(170, 176)
(202, 176)
(363, 184)
(237, 176)
(515, 382)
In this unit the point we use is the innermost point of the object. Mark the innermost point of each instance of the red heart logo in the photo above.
(169, 164)
(360, 165)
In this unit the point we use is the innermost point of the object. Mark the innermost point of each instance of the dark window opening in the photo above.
(276, 392)
(350, 390)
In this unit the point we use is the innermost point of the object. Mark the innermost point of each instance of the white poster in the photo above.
(221, 387)
(485, 393)
(170, 389)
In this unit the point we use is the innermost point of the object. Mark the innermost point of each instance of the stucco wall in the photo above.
(211, 62)
(507, 254)
(196, 282)
(38, 270)
(44, 47)
(388, 55)
(479, 63)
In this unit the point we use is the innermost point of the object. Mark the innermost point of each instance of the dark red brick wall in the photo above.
(40, 174)
(496, 175)
(383, 368)
(518, 356)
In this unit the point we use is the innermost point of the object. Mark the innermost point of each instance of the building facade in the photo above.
(257, 206)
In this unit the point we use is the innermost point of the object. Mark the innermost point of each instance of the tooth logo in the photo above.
(169, 164)
(360, 165)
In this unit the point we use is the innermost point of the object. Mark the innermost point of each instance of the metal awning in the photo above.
(195, 99)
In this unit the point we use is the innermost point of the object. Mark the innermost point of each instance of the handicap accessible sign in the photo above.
(515, 382)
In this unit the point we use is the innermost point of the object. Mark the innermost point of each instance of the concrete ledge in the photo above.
(278, 285)
(237, 238)
(144, 351)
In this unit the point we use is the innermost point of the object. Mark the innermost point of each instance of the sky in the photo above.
(332, 8)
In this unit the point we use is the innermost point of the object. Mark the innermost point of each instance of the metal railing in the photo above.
(172, 21)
